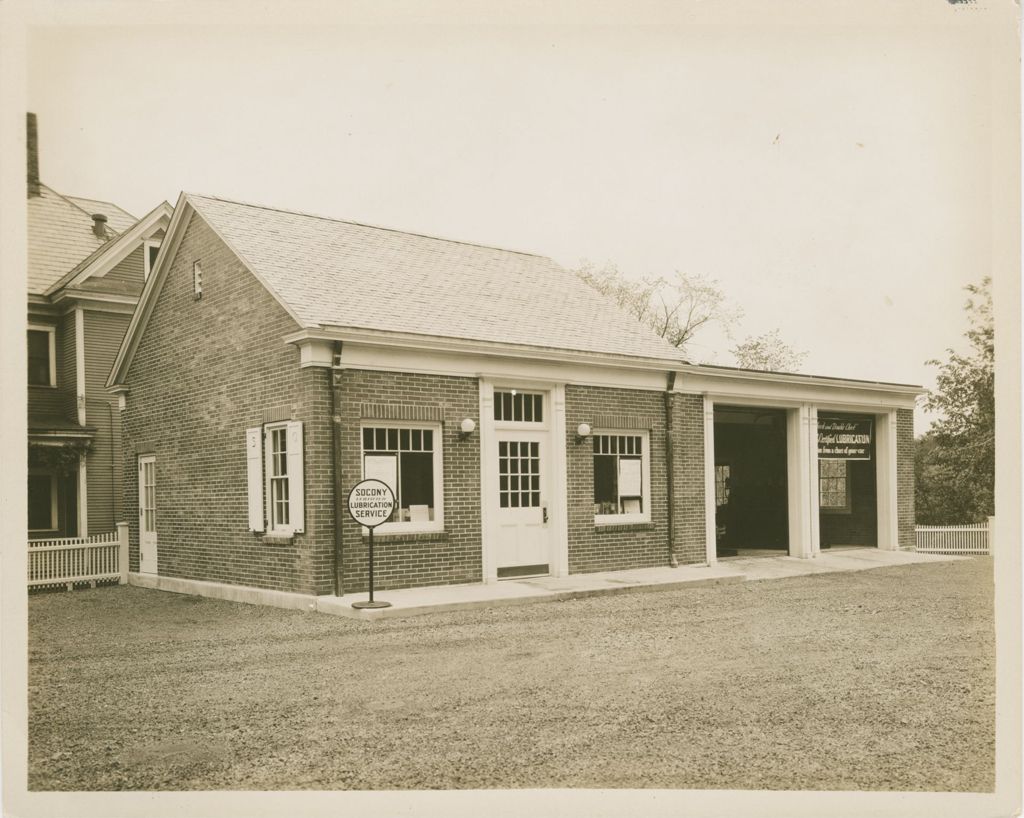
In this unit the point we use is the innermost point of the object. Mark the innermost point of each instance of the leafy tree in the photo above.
(955, 460)
(767, 352)
(674, 308)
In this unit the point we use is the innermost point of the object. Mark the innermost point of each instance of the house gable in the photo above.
(118, 264)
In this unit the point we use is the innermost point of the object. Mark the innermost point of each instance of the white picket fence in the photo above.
(70, 560)
(956, 539)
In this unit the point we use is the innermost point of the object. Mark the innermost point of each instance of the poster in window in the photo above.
(629, 477)
(383, 467)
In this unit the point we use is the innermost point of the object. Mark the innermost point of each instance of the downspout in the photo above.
(670, 471)
(339, 506)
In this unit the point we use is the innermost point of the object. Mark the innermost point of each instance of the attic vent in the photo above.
(197, 280)
(99, 225)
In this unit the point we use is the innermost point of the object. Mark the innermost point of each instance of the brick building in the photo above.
(526, 425)
(87, 262)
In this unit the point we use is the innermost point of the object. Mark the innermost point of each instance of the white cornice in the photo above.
(770, 388)
(429, 343)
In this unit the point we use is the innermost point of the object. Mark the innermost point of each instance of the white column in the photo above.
(488, 467)
(814, 497)
(83, 498)
(558, 498)
(710, 527)
(80, 363)
(886, 481)
(798, 473)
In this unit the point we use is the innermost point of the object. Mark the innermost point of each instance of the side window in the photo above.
(150, 250)
(408, 459)
(42, 354)
(621, 477)
(276, 475)
(833, 485)
(42, 502)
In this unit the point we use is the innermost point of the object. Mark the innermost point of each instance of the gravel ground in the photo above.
(875, 680)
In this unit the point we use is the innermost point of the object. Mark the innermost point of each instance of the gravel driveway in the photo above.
(876, 680)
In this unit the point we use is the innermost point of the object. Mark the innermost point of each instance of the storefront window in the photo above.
(408, 461)
(621, 481)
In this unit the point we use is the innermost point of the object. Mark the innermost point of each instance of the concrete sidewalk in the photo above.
(415, 601)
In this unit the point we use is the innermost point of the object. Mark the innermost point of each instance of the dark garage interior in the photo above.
(750, 481)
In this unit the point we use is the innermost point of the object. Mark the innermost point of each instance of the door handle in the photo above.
(544, 508)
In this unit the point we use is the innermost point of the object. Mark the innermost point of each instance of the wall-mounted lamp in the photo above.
(466, 428)
(582, 432)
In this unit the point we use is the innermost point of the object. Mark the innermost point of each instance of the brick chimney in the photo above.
(32, 143)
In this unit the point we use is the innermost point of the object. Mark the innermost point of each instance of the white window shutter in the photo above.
(296, 496)
(254, 462)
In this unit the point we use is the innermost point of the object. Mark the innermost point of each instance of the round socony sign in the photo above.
(371, 502)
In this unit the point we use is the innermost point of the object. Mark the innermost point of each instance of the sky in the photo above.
(834, 181)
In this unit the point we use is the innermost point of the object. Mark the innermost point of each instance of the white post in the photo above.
(798, 474)
(122, 552)
(710, 506)
(886, 482)
(991, 536)
(813, 497)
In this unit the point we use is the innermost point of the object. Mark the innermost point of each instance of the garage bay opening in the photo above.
(751, 505)
(847, 498)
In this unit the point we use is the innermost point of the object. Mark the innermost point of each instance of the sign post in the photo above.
(370, 503)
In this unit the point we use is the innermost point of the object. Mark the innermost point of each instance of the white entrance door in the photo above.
(147, 514)
(523, 541)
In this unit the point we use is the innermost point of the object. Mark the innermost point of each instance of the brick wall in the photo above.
(610, 548)
(452, 556)
(688, 464)
(905, 476)
(204, 372)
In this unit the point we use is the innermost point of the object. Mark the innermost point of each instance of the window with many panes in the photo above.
(408, 460)
(518, 407)
(833, 485)
(277, 476)
(42, 364)
(621, 477)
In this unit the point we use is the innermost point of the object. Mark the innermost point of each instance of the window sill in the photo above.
(278, 537)
(439, 535)
(632, 524)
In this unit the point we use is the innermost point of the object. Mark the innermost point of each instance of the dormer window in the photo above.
(42, 356)
(150, 250)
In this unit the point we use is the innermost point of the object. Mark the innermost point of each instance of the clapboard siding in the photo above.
(103, 334)
(67, 372)
(129, 271)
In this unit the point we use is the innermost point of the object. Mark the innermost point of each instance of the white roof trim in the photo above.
(434, 343)
(120, 247)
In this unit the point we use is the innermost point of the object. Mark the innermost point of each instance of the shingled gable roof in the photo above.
(331, 273)
(60, 234)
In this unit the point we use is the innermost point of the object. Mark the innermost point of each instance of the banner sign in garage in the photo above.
(843, 439)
